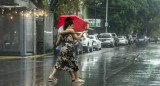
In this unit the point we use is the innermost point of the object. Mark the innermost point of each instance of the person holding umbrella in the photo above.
(62, 32)
(67, 59)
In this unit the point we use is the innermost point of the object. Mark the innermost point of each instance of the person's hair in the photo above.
(66, 24)
(68, 19)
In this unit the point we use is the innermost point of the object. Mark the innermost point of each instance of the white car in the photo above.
(96, 42)
(134, 37)
(106, 39)
(158, 39)
(86, 42)
(122, 40)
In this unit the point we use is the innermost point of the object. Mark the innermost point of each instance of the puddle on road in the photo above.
(152, 62)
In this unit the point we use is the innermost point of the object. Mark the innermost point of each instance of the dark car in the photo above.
(153, 39)
(116, 39)
(141, 40)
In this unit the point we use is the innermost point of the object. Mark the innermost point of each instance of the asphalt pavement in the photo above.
(119, 66)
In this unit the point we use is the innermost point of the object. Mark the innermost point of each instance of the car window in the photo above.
(133, 36)
(78, 34)
(104, 36)
(127, 36)
(120, 37)
(91, 37)
(141, 36)
(113, 34)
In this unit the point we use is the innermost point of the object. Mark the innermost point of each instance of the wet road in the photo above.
(120, 66)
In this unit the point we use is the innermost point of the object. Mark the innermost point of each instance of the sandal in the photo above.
(79, 81)
(73, 80)
(78, 77)
(52, 80)
(77, 84)
(51, 83)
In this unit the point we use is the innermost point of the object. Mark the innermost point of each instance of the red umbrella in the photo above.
(79, 24)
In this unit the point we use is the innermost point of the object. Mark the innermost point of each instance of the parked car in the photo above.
(78, 46)
(115, 38)
(122, 40)
(134, 37)
(96, 42)
(141, 40)
(130, 39)
(106, 39)
(153, 39)
(158, 39)
(86, 42)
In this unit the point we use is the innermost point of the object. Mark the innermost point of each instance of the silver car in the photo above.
(107, 39)
(141, 40)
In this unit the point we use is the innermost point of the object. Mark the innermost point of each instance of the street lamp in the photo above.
(106, 14)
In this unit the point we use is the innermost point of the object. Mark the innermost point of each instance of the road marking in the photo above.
(15, 57)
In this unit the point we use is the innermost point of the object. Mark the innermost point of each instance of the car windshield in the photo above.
(120, 37)
(113, 34)
(91, 37)
(133, 36)
(104, 36)
(141, 37)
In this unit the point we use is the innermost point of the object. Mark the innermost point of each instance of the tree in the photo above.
(63, 7)
(125, 16)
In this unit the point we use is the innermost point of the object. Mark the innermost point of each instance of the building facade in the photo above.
(24, 30)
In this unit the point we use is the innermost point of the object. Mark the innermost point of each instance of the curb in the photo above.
(15, 57)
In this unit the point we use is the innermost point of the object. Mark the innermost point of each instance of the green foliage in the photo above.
(64, 7)
(67, 7)
(154, 27)
(45, 3)
(125, 16)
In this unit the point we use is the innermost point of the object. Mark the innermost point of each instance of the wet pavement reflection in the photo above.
(120, 66)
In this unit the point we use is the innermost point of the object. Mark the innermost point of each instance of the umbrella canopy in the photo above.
(79, 24)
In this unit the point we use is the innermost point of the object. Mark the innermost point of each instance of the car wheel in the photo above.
(100, 47)
(91, 49)
(82, 51)
(97, 48)
(87, 49)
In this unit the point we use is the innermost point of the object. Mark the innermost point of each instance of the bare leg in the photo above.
(77, 79)
(53, 73)
(72, 75)
(54, 70)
